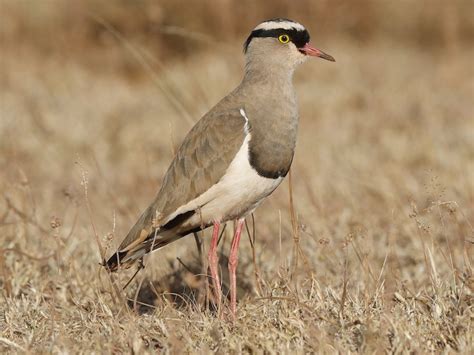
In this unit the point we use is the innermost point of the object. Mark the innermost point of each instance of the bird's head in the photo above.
(281, 41)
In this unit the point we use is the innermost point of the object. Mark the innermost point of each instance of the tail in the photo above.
(124, 259)
(143, 238)
(115, 261)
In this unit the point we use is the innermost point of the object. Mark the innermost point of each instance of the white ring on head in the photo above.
(285, 25)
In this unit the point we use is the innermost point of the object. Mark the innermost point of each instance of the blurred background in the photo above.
(95, 97)
(81, 30)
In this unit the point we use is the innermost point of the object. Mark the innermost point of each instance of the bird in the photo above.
(235, 156)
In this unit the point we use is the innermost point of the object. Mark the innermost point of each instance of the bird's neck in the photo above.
(275, 75)
(270, 105)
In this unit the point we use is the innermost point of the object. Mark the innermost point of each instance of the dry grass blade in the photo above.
(12, 344)
(84, 183)
(294, 225)
(256, 269)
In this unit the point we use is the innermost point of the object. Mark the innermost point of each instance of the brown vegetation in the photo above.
(376, 254)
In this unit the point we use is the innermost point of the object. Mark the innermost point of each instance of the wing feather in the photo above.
(200, 162)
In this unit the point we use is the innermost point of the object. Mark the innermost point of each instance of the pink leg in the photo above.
(214, 264)
(233, 261)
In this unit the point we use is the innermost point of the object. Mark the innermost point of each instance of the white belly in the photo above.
(236, 194)
(239, 191)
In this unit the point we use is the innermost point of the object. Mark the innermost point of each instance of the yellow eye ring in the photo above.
(284, 39)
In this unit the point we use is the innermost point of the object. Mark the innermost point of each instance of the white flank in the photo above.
(237, 193)
(244, 115)
(286, 25)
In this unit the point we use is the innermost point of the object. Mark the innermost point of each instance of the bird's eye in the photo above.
(284, 39)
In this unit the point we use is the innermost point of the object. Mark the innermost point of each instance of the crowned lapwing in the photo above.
(234, 157)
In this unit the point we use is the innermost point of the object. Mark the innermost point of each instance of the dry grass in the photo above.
(376, 255)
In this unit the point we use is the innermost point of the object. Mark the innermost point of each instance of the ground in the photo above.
(372, 254)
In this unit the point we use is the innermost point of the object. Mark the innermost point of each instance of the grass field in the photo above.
(373, 255)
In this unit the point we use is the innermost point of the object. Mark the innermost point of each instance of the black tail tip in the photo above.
(113, 263)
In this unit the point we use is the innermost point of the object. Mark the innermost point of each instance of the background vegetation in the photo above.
(375, 252)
